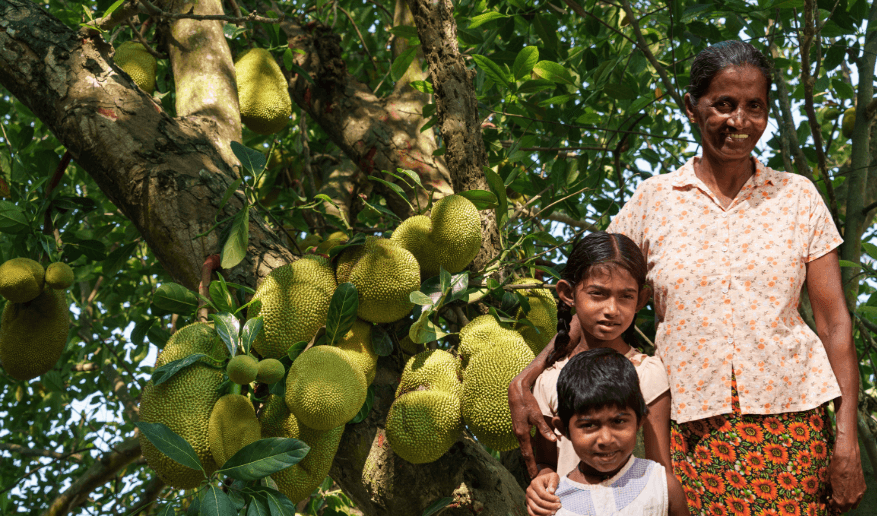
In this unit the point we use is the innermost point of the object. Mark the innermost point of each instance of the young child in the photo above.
(604, 282)
(600, 409)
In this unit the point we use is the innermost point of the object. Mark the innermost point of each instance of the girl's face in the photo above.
(605, 302)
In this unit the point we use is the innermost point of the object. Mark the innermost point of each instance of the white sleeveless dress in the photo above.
(639, 488)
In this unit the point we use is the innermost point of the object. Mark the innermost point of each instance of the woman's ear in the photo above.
(689, 109)
(566, 292)
(645, 294)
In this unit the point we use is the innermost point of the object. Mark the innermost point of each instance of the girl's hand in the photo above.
(541, 500)
(845, 475)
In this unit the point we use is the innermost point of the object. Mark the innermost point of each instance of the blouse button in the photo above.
(724, 249)
(730, 340)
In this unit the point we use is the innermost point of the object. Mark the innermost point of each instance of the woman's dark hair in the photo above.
(598, 251)
(712, 60)
(597, 378)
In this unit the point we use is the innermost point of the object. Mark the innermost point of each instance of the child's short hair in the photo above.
(598, 378)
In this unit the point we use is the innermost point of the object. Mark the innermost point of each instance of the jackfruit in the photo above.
(294, 303)
(184, 403)
(324, 389)
(242, 369)
(138, 63)
(423, 425)
(59, 276)
(435, 370)
(232, 426)
(336, 238)
(357, 345)
(262, 92)
(542, 314)
(33, 334)
(450, 237)
(384, 274)
(21, 279)
(830, 114)
(270, 371)
(486, 381)
(299, 480)
(484, 332)
(849, 122)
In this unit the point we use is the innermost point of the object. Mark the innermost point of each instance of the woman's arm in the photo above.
(541, 500)
(525, 410)
(656, 437)
(835, 330)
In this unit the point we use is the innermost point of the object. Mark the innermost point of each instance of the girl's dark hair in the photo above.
(712, 60)
(597, 378)
(599, 250)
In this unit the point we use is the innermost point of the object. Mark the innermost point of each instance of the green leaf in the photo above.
(777, 4)
(867, 310)
(232, 188)
(214, 502)
(250, 332)
(419, 298)
(548, 270)
(228, 328)
(94, 250)
(422, 86)
(410, 174)
(170, 444)
(698, 9)
(404, 31)
(498, 188)
(401, 63)
(221, 297)
(167, 371)
(847, 263)
(342, 312)
(481, 19)
(257, 508)
(252, 160)
(113, 7)
(482, 199)
(437, 505)
(394, 187)
(264, 457)
(870, 248)
(301, 71)
(166, 510)
(491, 69)
(278, 504)
(553, 72)
(382, 344)
(524, 62)
(423, 330)
(295, 350)
(235, 248)
(366, 407)
(176, 299)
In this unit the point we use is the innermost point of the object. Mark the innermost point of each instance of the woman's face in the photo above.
(732, 114)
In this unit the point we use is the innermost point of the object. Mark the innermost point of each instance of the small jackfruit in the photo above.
(294, 302)
(849, 122)
(59, 276)
(233, 425)
(435, 370)
(33, 334)
(21, 279)
(270, 371)
(449, 238)
(184, 403)
(357, 345)
(542, 314)
(138, 63)
(423, 425)
(242, 369)
(384, 274)
(324, 389)
(262, 92)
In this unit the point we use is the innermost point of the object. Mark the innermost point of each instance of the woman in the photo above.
(729, 245)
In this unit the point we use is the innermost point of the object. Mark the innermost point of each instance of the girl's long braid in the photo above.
(562, 343)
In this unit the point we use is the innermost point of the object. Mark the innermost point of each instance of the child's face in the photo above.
(603, 439)
(606, 302)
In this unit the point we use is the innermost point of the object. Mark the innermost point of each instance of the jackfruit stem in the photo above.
(235, 388)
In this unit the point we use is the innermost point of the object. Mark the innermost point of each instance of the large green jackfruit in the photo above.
(449, 238)
(324, 389)
(262, 92)
(184, 403)
(543, 315)
(357, 344)
(423, 425)
(294, 302)
(299, 480)
(435, 370)
(384, 274)
(33, 334)
(233, 425)
(138, 63)
(21, 279)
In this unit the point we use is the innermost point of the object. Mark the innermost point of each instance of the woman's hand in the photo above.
(845, 475)
(526, 412)
(541, 500)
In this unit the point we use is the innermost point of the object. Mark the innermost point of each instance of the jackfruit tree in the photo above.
(374, 210)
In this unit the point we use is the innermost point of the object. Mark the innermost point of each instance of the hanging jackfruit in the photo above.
(423, 425)
(324, 389)
(33, 334)
(262, 92)
(270, 371)
(542, 314)
(435, 369)
(232, 426)
(21, 279)
(484, 332)
(138, 63)
(242, 369)
(59, 276)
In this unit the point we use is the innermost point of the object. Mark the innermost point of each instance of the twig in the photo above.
(361, 39)
(389, 14)
(139, 37)
(584, 14)
(643, 336)
(211, 264)
(120, 389)
(24, 451)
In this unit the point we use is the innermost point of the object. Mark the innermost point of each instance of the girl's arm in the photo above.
(541, 500)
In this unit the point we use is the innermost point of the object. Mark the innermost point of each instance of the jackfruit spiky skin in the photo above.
(294, 302)
(357, 344)
(384, 274)
(262, 92)
(423, 425)
(270, 371)
(59, 276)
(449, 238)
(33, 334)
(543, 315)
(21, 279)
(184, 403)
(435, 370)
(485, 392)
(484, 332)
(138, 63)
(242, 369)
(233, 425)
(324, 389)
(299, 480)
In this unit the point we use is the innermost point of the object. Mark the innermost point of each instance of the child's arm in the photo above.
(678, 505)
(541, 500)
(656, 437)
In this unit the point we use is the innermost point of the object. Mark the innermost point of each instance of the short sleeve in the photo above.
(822, 234)
(545, 392)
(629, 221)
(653, 379)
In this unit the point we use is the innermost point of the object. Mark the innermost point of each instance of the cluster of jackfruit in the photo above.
(262, 92)
(35, 321)
(136, 61)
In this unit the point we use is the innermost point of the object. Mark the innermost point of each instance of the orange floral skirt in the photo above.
(754, 465)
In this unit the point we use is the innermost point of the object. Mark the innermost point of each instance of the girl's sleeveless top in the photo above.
(639, 488)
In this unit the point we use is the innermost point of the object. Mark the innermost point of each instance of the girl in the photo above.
(603, 281)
